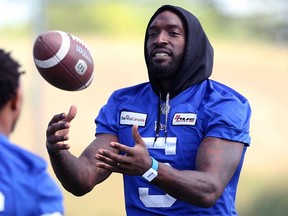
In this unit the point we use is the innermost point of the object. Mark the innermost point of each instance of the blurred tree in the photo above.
(240, 19)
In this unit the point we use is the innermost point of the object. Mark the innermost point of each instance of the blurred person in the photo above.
(25, 186)
(179, 140)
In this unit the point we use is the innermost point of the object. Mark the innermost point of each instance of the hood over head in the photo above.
(197, 61)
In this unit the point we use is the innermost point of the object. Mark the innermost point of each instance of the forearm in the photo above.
(194, 187)
(71, 172)
(216, 163)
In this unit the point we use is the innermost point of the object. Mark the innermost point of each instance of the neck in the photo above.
(6, 120)
(164, 86)
(4, 128)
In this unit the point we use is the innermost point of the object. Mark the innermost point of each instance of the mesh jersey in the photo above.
(25, 186)
(206, 109)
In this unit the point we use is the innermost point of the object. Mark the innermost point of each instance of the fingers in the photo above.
(57, 118)
(136, 136)
(56, 135)
(107, 157)
(121, 148)
(135, 133)
(53, 132)
(131, 160)
(64, 117)
(58, 129)
(126, 149)
(56, 148)
(61, 121)
(110, 161)
(132, 163)
(71, 114)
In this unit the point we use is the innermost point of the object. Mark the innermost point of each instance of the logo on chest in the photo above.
(133, 118)
(184, 119)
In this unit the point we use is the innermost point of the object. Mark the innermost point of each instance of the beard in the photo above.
(164, 71)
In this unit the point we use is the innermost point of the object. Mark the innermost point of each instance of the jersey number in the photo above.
(2, 202)
(158, 201)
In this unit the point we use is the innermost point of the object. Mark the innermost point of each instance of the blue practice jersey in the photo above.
(26, 189)
(208, 109)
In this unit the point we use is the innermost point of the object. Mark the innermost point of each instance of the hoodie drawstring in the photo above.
(164, 110)
(158, 119)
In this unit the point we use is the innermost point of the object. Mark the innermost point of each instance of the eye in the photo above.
(152, 34)
(175, 33)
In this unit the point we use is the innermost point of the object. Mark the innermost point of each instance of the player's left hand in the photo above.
(135, 161)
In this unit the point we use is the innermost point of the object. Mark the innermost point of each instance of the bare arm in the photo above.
(77, 175)
(216, 163)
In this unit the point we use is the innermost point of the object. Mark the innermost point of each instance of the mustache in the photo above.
(161, 50)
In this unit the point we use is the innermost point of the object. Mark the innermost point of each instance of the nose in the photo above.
(161, 38)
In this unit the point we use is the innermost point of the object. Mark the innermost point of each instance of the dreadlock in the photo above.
(9, 77)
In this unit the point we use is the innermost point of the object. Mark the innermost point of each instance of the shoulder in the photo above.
(213, 94)
(25, 173)
(222, 91)
(19, 158)
(132, 90)
(131, 93)
(224, 112)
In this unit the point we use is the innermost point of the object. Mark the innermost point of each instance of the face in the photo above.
(165, 45)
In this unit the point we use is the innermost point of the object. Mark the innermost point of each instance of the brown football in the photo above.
(63, 60)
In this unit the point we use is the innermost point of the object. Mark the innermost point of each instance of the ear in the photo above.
(16, 101)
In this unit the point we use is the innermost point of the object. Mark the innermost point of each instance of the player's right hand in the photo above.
(58, 130)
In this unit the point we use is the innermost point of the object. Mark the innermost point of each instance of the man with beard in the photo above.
(189, 133)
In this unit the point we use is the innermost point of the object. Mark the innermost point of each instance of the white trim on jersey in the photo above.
(169, 146)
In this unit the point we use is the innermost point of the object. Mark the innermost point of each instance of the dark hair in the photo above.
(9, 77)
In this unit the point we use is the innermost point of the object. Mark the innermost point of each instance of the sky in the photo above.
(19, 11)
(240, 8)
(15, 11)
